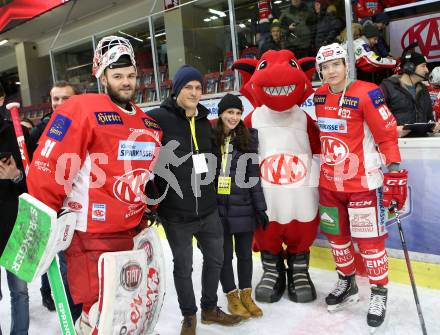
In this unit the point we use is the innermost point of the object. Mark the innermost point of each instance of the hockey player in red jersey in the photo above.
(95, 158)
(354, 121)
(434, 91)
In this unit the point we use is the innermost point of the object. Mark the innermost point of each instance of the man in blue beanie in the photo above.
(193, 213)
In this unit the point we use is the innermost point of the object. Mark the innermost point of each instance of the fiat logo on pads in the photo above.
(131, 276)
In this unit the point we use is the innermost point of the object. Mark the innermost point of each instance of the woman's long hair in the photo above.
(240, 133)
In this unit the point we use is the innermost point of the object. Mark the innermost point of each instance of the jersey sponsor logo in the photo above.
(150, 124)
(358, 51)
(330, 125)
(282, 169)
(42, 166)
(129, 187)
(99, 212)
(136, 151)
(131, 276)
(376, 97)
(363, 222)
(319, 99)
(350, 102)
(59, 127)
(329, 220)
(73, 205)
(360, 203)
(333, 150)
(133, 210)
(107, 118)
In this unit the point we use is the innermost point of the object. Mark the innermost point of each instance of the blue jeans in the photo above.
(19, 305)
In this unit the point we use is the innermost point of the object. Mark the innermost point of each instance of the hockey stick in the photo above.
(410, 272)
(54, 274)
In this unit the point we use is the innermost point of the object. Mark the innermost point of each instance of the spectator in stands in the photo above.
(434, 91)
(275, 41)
(26, 122)
(406, 95)
(356, 29)
(365, 9)
(381, 20)
(366, 59)
(296, 21)
(60, 92)
(12, 184)
(328, 26)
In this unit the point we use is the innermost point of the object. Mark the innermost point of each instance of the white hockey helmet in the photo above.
(109, 51)
(330, 52)
(434, 76)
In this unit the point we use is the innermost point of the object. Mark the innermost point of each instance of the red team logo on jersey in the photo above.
(129, 187)
(73, 205)
(131, 276)
(426, 33)
(98, 213)
(333, 150)
(282, 169)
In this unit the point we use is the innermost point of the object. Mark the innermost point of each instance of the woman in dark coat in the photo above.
(240, 201)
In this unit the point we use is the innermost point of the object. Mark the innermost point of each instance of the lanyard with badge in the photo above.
(224, 182)
(199, 160)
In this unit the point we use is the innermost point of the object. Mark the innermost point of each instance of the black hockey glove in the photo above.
(262, 219)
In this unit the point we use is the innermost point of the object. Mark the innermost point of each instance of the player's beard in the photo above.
(117, 97)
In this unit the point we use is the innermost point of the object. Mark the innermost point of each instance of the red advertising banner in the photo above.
(15, 12)
(422, 29)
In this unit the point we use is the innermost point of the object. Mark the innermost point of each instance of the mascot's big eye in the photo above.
(262, 65)
(292, 63)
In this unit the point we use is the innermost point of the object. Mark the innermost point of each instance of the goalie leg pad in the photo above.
(82, 259)
(131, 288)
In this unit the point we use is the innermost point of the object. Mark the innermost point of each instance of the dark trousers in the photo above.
(209, 234)
(243, 250)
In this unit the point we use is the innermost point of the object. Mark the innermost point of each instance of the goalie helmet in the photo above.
(330, 52)
(434, 76)
(113, 52)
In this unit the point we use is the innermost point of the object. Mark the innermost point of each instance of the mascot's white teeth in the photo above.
(279, 90)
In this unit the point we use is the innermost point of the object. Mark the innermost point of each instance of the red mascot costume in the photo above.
(275, 85)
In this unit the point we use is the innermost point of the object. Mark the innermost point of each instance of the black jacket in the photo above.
(9, 191)
(404, 107)
(36, 132)
(175, 126)
(237, 210)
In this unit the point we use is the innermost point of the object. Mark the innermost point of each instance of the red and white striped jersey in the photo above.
(351, 134)
(95, 158)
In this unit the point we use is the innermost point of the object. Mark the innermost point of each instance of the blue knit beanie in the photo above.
(183, 76)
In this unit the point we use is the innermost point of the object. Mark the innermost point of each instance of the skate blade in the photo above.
(380, 329)
(350, 301)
